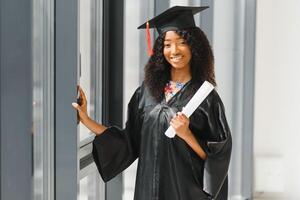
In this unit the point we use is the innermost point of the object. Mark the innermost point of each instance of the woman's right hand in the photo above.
(81, 106)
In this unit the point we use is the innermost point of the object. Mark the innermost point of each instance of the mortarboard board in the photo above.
(175, 18)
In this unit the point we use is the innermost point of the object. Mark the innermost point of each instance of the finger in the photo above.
(173, 125)
(76, 106)
(83, 99)
(183, 122)
(83, 102)
(180, 118)
(182, 115)
(176, 123)
(81, 92)
(176, 114)
(174, 119)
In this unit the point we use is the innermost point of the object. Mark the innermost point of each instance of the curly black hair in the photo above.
(158, 70)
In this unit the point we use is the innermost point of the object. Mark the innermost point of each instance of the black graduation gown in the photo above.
(168, 169)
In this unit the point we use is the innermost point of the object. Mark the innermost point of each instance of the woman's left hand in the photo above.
(181, 123)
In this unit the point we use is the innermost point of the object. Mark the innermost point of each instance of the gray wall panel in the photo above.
(207, 20)
(16, 99)
(248, 104)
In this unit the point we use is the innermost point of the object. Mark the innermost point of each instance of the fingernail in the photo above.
(75, 105)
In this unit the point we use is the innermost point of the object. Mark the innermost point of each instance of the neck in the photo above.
(180, 75)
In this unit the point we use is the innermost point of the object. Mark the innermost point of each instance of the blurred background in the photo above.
(48, 47)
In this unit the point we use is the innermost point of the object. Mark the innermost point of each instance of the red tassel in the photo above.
(149, 44)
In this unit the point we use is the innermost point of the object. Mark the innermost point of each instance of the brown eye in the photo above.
(167, 45)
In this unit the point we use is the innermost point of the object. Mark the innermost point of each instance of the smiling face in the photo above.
(176, 51)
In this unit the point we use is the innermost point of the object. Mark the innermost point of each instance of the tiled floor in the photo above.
(129, 181)
(270, 175)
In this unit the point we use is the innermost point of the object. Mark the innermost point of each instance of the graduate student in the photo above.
(194, 164)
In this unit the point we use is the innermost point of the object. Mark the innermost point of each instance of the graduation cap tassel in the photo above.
(149, 44)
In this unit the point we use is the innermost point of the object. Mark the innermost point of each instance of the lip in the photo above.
(177, 58)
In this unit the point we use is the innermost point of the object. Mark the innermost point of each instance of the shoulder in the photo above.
(136, 95)
(214, 96)
(212, 100)
(142, 96)
(146, 98)
(139, 92)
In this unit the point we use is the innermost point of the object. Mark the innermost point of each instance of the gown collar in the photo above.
(173, 99)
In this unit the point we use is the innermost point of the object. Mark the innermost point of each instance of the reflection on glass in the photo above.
(86, 50)
(133, 69)
(91, 187)
(42, 107)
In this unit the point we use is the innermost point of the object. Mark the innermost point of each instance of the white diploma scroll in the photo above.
(193, 104)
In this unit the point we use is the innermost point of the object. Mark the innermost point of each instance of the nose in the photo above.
(174, 49)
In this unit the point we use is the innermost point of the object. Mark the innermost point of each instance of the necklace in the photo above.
(171, 88)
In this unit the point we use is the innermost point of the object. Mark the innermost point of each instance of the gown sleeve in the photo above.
(210, 127)
(115, 149)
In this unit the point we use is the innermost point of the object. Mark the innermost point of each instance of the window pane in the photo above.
(133, 72)
(91, 187)
(276, 130)
(86, 51)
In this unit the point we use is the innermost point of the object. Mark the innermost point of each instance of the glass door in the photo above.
(90, 185)
(57, 167)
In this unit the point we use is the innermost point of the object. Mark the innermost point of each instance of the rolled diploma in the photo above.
(193, 104)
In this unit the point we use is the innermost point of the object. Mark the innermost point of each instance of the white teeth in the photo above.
(176, 58)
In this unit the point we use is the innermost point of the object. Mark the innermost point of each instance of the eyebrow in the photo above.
(175, 39)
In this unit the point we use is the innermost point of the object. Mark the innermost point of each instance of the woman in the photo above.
(193, 165)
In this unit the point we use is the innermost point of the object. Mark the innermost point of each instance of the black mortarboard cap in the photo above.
(175, 18)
